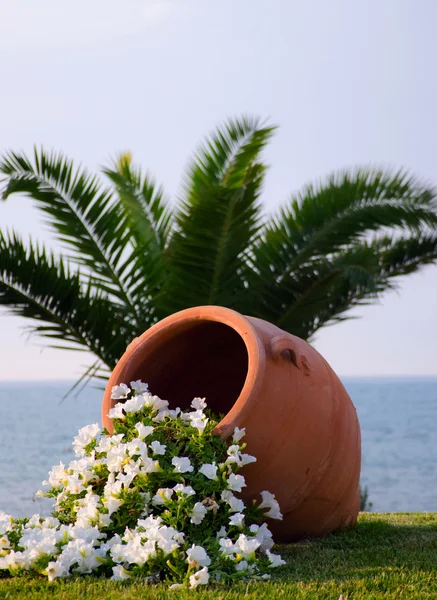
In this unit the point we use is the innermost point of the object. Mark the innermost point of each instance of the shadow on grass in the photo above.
(362, 552)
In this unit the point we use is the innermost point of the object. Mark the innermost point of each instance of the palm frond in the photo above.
(36, 285)
(324, 224)
(82, 213)
(149, 215)
(149, 219)
(218, 219)
(351, 278)
(344, 210)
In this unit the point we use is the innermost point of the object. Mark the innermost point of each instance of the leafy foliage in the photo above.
(133, 258)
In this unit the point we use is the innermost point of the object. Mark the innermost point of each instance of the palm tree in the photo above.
(133, 258)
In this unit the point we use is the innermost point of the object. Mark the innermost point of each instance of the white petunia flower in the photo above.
(162, 496)
(182, 464)
(117, 412)
(106, 442)
(269, 501)
(134, 404)
(199, 578)
(209, 470)
(198, 404)
(227, 546)
(75, 484)
(144, 430)
(197, 554)
(57, 475)
(237, 520)
(119, 573)
(238, 434)
(235, 504)
(246, 546)
(236, 482)
(119, 392)
(139, 387)
(84, 436)
(4, 545)
(158, 448)
(263, 535)
(57, 569)
(198, 513)
(155, 403)
(221, 533)
(185, 490)
(5, 522)
(246, 459)
(275, 559)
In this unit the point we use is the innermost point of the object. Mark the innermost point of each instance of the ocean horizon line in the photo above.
(342, 377)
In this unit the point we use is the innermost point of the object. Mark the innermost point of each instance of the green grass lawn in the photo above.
(389, 556)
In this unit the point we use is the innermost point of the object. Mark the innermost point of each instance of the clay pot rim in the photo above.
(225, 316)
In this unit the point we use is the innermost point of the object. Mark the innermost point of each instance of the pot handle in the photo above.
(282, 344)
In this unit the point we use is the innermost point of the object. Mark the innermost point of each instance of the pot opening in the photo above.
(205, 359)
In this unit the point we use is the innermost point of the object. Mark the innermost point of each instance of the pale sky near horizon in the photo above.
(348, 83)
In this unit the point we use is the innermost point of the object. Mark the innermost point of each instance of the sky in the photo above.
(348, 83)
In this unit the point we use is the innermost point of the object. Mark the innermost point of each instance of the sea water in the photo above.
(398, 420)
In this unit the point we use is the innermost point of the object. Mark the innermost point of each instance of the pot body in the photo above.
(300, 422)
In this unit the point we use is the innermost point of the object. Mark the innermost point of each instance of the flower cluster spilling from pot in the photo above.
(157, 500)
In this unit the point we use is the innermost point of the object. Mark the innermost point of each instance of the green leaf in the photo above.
(82, 213)
(42, 288)
(218, 219)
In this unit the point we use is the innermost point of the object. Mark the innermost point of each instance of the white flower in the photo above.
(237, 520)
(119, 392)
(57, 475)
(84, 437)
(5, 522)
(238, 434)
(139, 387)
(235, 504)
(199, 578)
(236, 482)
(272, 504)
(56, 569)
(221, 533)
(158, 448)
(246, 459)
(185, 490)
(134, 404)
(144, 430)
(162, 496)
(227, 546)
(246, 546)
(75, 484)
(117, 412)
(198, 554)
(106, 442)
(175, 586)
(119, 573)
(116, 457)
(263, 535)
(241, 566)
(104, 519)
(4, 545)
(112, 504)
(275, 559)
(209, 470)
(155, 403)
(198, 404)
(182, 464)
(198, 513)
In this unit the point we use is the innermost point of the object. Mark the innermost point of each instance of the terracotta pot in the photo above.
(300, 422)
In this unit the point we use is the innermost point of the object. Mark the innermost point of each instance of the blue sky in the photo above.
(348, 83)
